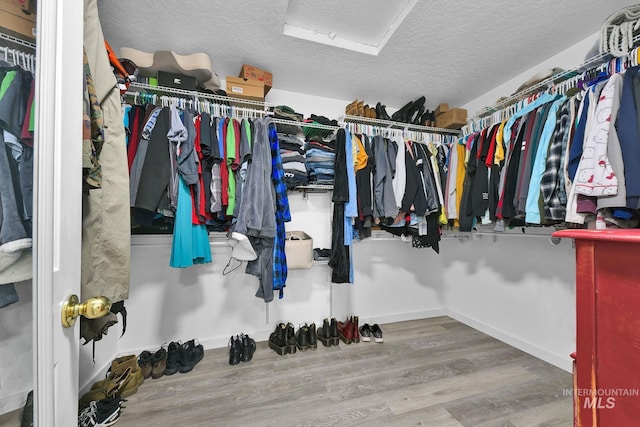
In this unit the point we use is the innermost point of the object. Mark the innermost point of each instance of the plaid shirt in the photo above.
(554, 209)
(282, 211)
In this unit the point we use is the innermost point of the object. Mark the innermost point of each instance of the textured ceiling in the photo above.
(449, 51)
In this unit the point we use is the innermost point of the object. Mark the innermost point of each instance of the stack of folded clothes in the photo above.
(310, 131)
(293, 161)
(321, 155)
(287, 113)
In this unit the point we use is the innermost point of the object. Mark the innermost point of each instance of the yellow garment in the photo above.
(461, 171)
(361, 158)
(499, 153)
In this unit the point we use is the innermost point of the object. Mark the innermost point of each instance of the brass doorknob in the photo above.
(92, 308)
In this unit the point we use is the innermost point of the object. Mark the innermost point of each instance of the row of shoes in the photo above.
(349, 331)
(105, 412)
(359, 108)
(241, 349)
(177, 357)
(414, 112)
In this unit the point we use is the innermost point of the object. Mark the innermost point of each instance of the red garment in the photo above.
(224, 172)
(27, 135)
(135, 134)
(492, 147)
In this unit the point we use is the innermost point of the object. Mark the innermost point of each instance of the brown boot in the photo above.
(345, 331)
(118, 366)
(145, 361)
(123, 385)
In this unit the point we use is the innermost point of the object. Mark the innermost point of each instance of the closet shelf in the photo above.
(169, 91)
(303, 124)
(17, 41)
(563, 75)
(395, 125)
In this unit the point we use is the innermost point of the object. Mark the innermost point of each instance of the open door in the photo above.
(57, 208)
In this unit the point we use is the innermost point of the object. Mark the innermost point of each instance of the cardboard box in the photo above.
(442, 108)
(177, 81)
(18, 19)
(452, 119)
(238, 87)
(254, 73)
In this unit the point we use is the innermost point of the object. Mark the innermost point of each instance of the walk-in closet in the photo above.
(302, 213)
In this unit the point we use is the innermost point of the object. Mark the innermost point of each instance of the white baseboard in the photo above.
(562, 362)
(403, 317)
(13, 401)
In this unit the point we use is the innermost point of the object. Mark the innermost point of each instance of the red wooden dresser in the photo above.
(607, 371)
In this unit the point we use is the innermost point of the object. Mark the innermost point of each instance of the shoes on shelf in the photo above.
(376, 332)
(360, 108)
(365, 332)
(351, 108)
(381, 112)
(159, 363)
(190, 354)
(174, 358)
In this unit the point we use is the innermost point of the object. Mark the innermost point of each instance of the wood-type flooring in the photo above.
(429, 372)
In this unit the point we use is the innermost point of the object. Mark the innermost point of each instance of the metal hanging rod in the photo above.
(17, 41)
(396, 125)
(563, 75)
(195, 94)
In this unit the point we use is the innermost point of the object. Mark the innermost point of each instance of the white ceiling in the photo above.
(449, 51)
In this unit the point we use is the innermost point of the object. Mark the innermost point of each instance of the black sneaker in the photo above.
(248, 347)
(377, 333)
(191, 354)
(174, 355)
(97, 414)
(365, 332)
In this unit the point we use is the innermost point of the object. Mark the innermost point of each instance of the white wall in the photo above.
(16, 349)
(519, 289)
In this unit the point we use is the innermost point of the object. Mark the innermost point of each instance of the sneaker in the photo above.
(174, 355)
(97, 415)
(365, 332)
(377, 333)
(191, 354)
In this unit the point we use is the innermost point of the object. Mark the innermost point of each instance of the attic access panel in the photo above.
(362, 26)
